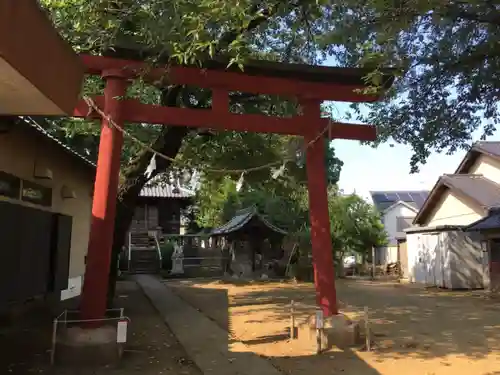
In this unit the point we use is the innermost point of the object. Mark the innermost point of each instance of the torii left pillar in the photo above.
(321, 238)
(95, 284)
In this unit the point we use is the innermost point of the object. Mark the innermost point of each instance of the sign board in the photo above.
(36, 194)
(121, 332)
(74, 288)
(319, 319)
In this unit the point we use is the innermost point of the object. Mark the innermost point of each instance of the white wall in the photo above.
(488, 167)
(389, 254)
(450, 259)
(427, 260)
(390, 220)
(452, 210)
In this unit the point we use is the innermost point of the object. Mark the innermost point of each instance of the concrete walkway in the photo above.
(208, 345)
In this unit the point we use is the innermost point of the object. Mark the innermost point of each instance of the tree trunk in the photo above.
(169, 144)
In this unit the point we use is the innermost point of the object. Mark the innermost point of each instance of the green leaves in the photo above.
(448, 54)
(184, 30)
(355, 224)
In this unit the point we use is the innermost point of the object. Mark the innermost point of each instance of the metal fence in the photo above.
(68, 318)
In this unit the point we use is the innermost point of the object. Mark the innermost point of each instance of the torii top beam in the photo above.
(298, 81)
(292, 80)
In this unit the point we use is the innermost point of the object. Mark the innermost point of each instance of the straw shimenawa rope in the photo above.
(94, 107)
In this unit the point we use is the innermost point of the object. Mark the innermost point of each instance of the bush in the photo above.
(167, 250)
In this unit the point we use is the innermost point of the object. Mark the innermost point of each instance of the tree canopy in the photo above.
(446, 53)
(448, 58)
(186, 31)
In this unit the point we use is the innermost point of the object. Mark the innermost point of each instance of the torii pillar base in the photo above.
(77, 346)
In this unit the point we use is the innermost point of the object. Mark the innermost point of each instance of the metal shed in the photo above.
(446, 257)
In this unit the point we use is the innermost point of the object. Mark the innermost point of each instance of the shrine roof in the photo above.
(241, 219)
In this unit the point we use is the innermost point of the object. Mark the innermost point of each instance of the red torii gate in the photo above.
(310, 85)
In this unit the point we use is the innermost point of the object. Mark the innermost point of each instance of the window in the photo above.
(10, 185)
(36, 194)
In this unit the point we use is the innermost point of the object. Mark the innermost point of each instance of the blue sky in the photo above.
(388, 168)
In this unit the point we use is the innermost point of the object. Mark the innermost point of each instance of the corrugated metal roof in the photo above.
(241, 218)
(159, 188)
(477, 187)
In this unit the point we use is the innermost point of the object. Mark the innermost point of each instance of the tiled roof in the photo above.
(492, 221)
(158, 188)
(477, 187)
(487, 147)
(243, 217)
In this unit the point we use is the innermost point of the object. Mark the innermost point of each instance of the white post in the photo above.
(319, 329)
(373, 263)
(54, 339)
(367, 330)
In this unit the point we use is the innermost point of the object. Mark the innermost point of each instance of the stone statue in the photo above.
(177, 260)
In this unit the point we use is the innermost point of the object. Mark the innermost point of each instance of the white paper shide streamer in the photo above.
(151, 167)
(239, 184)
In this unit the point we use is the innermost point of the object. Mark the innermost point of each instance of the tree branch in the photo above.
(490, 16)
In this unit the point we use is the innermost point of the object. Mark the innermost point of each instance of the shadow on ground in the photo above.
(152, 348)
(429, 326)
(228, 312)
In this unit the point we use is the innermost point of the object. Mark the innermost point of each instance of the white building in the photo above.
(398, 208)
(440, 249)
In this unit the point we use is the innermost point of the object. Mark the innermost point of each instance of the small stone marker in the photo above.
(319, 319)
(319, 327)
(367, 330)
(292, 320)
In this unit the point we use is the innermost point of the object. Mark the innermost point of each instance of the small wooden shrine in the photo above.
(253, 243)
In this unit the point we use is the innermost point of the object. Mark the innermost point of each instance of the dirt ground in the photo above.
(417, 331)
(152, 349)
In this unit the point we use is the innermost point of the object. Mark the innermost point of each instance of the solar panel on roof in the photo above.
(379, 198)
(392, 197)
(405, 197)
(419, 198)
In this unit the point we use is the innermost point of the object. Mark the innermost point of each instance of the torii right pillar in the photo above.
(321, 240)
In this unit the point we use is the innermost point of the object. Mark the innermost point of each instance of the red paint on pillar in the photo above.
(95, 286)
(321, 240)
